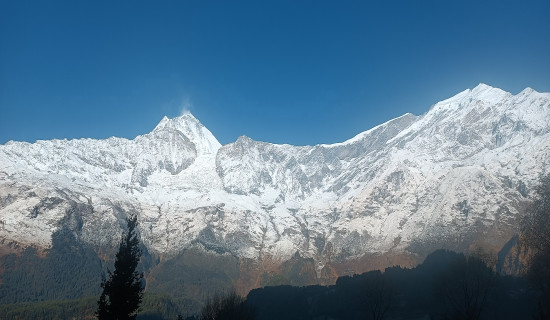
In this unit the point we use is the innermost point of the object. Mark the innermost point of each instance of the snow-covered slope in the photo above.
(455, 177)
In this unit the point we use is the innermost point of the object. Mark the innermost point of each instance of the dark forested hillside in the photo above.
(70, 269)
(154, 306)
(447, 285)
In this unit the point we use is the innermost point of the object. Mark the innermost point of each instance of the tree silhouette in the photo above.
(123, 291)
(228, 307)
(464, 287)
(378, 295)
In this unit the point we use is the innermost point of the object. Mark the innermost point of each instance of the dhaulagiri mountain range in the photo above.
(251, 213)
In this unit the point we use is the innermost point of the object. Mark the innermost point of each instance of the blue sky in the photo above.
(298, 72)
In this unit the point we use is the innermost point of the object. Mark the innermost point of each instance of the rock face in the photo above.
(456, 177)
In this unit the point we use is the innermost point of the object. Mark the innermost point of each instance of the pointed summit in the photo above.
(193, 129)
(162, 122)
(180, 120)
(486, 92)
(482, 86)
(528, 91)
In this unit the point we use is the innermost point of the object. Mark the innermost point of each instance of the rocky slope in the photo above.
(456, 177)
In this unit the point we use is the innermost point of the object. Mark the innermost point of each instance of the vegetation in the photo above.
(227, 307)
(464, 287)
(34, 276)
(123, 291)
(447, 285)
(154, 306)
(193, 272)
(378, 295)
(427, 291)
(54, 309)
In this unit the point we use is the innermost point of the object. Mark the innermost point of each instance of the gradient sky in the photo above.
(298, 72)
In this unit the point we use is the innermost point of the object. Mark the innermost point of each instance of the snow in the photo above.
(365, 134)
(402, 179)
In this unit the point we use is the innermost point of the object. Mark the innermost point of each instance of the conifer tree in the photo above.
(123, 290)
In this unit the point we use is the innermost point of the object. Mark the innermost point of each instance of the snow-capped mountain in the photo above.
(456, 177)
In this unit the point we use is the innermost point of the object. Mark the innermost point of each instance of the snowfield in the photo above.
(456, 177)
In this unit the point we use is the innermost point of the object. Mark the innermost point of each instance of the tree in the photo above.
(123, 291)
(228, 307)
(463, 288)
(378, 294)
(535, 236)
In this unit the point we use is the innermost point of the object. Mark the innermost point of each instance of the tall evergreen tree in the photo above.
(123, 291)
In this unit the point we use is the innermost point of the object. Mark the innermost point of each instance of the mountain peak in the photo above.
(482, 86)
(486, 92)
(182, 120)
(481, 92)
(193, 129)
(528, 91)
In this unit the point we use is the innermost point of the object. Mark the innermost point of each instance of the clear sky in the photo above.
(298, 72)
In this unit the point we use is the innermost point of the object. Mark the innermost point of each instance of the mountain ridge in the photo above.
(414, 183)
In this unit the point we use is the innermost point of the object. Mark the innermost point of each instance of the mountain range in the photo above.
(457, 177)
